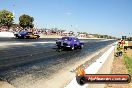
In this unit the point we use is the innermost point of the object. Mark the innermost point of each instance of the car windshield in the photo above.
(65, 38)
(23, 32)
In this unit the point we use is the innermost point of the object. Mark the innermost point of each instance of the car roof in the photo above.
(22, 32)
(69, 37)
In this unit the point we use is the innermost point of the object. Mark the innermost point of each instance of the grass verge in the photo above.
(128, 62)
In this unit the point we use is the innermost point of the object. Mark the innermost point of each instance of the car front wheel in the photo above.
(81, 46)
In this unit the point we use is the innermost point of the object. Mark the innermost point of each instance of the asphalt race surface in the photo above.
(40, 59)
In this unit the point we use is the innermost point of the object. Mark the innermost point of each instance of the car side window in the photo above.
(77, 39)
(70, 39)
(74, 39)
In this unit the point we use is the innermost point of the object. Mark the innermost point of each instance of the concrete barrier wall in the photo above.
(105, 69)
(6, 34)
(103, 65)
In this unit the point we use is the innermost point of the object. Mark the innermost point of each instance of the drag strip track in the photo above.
(38, 40)
(40, 60)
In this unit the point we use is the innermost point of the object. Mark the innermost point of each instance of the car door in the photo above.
(77, 41)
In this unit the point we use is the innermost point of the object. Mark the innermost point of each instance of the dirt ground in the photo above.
(5, 85)
(119, 67)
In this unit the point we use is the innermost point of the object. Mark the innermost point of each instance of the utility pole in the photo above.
(13, 11)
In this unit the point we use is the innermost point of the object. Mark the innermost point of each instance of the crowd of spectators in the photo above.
(44, 31)
(52, 31)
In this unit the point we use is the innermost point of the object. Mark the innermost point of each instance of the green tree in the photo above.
(96, 35)
(62, 31)
(6, 18)
(26, 21)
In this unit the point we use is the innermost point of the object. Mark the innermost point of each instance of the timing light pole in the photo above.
(13, 10)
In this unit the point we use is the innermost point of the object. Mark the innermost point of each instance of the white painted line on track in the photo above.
(6, 34)
(92, 69)
(23, 43)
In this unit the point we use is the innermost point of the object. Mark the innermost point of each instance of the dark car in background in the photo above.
(26, 35)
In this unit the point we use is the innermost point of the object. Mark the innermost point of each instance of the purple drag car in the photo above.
(69, 42)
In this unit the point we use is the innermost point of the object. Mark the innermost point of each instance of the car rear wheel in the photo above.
(25, 37)
(37, 37)
(72, 48)
(59, 49)
(16, 37)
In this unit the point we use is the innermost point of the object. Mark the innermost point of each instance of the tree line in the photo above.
(7, 19)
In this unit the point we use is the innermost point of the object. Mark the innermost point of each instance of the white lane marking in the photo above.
(6, 34)
(27, 43)
(23, 43)
(92, 69)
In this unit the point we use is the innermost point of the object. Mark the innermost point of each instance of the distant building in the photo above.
(90, 36)
(65, 33)
(82, 35)
(124, 37)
